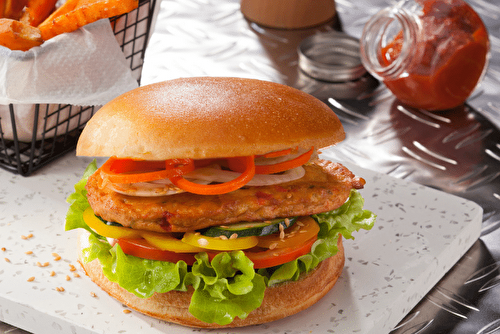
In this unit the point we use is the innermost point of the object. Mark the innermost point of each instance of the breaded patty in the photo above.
(324, 187)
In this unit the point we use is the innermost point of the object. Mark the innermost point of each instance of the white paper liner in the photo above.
(82, 68)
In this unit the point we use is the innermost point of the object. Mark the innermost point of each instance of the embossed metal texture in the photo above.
(457, 151)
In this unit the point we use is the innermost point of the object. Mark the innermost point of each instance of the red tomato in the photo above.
(277, 256)
(303, 230)
(261, 259)
(141, 248)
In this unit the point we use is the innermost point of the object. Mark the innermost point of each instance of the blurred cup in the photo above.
(288, 14)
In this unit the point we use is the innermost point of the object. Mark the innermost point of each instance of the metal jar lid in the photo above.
(332, 56)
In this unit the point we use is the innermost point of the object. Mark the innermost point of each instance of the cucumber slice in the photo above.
(109, 223)
(247, 229)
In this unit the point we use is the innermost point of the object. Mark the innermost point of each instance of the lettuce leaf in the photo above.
(229, 288)
(226, 287)
(78, 201)
(140, 276)
(350, 217)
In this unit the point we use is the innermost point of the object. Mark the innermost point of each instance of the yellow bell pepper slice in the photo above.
(115, 232)
(165, 241)
(198, 240)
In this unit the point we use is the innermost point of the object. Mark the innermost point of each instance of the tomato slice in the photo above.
(304, 229)
(275, 257)
(105, 230)
(211, 243)
(141, 248)
(261, 259)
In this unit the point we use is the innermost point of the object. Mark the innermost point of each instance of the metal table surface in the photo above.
(456, 151)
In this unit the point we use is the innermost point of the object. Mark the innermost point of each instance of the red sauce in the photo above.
(448, 59)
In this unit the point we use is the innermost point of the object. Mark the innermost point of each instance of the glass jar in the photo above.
(430, 53)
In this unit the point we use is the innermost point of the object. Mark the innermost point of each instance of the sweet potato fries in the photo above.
(28, 23)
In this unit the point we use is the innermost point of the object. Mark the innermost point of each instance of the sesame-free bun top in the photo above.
(208, 117)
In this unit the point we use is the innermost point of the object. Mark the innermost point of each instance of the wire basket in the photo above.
(63, 123)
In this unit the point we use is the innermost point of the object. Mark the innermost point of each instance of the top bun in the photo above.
(208, 117)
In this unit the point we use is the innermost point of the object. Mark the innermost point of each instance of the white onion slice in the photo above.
(149, 189)
(287, 176)
(271, 161)
(219, 175)
(143, 189)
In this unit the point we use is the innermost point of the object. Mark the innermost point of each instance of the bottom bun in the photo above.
(280, 301)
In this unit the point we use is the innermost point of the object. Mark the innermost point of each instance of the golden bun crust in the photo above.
(209, 117)
(279, 301)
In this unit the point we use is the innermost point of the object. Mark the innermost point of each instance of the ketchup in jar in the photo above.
(430, 53)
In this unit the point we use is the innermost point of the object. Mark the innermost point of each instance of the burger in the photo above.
(214, 208)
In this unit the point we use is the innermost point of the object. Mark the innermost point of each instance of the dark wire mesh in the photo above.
(63, 124)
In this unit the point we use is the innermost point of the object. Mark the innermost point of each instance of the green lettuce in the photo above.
(224, 288)
(78, 201)
(343, 221)
(227, 286)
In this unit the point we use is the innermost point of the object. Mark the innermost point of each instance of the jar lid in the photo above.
(333, 56)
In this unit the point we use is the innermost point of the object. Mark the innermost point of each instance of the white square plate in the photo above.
(419, 235)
